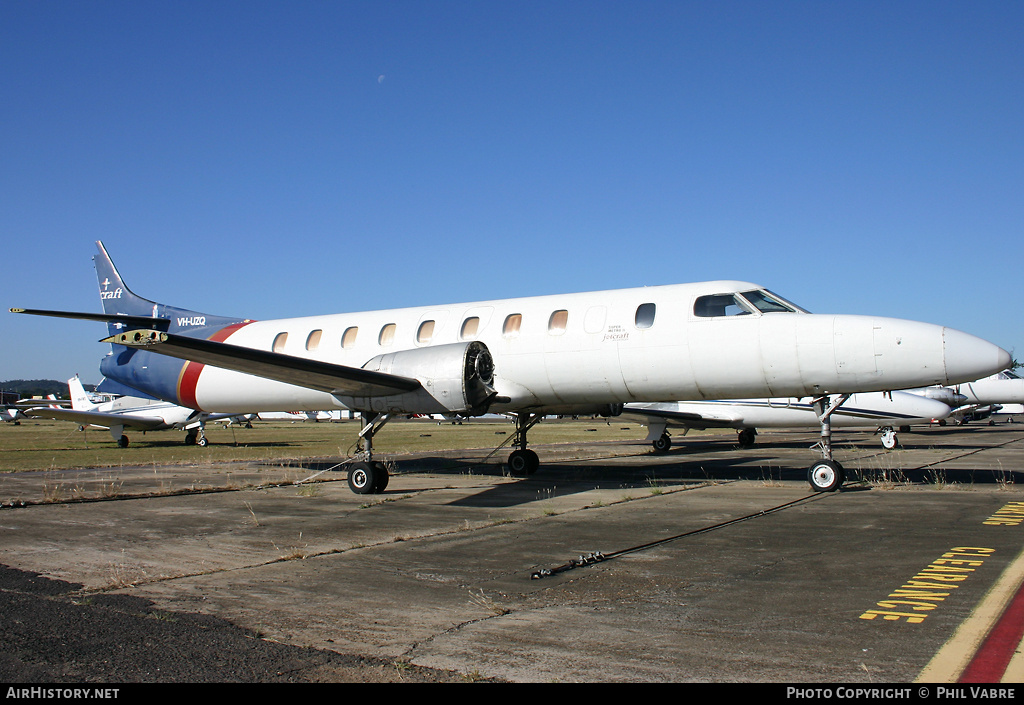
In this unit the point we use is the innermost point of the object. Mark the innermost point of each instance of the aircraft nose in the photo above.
(968, 358)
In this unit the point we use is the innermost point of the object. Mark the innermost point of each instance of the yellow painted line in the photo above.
(950, 661)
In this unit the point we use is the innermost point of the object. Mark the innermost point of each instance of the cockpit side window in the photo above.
(720, 305)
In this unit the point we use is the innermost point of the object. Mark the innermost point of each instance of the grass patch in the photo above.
(38, 445)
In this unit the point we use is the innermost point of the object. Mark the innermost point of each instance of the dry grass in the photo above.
(54, 445)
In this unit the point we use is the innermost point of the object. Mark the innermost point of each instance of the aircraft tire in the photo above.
(523, 462)
(663, 443)
(367, 478)
(826, 476)
(746, 438)
(381, 483)
(202, 442)
(122, 442)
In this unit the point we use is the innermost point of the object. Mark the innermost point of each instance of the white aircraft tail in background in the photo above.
(581, 353)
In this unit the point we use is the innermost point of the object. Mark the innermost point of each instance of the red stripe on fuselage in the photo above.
(188, 379)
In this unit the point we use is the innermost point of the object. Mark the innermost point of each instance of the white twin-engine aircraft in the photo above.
(528, 357)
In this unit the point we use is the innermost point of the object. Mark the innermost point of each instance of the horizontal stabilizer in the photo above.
(311, 374)
(127, 321)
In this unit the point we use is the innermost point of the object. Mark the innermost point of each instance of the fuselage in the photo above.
(573, 352)
(1003, 388)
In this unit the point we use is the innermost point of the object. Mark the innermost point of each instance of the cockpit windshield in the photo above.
(757, 301)
(767, 302)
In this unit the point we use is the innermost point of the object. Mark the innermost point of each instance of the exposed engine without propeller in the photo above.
(455, 378)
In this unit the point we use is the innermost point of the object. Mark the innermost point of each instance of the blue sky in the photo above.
(269, 159)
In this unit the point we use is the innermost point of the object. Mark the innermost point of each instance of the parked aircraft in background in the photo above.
(881, 410)
(127, 413)
(1000, 393)
(14, 412)
(562, 354)
(314, 416)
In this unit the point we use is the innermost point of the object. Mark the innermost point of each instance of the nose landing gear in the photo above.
(826, 475)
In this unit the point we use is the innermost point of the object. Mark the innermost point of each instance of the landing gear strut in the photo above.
(117, 433)
(523, 461)
(369, 476)
(826, 475)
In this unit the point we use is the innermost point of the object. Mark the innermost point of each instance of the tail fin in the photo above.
(114, 295)
(119, 300)
(79, 399)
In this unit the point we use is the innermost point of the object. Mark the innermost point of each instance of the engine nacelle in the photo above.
(948, 396)
(455, 378)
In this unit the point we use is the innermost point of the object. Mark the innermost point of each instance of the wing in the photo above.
(311, 374)
(35, 403)
(96, 418)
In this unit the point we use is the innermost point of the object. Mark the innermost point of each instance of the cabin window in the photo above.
(645, 315)
(470, 326)
(313, 340)
(512, 325)
(720, 305)
(279, 340)
(348, 338)
(557, 322)
(387, 335)
(425, 332)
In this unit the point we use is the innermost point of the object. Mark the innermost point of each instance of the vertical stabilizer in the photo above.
(118, 299)
(114, 295)
(79, 399)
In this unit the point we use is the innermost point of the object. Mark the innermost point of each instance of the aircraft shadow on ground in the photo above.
(695, 461)
(54, 634)
(560, 479)
(674, 469)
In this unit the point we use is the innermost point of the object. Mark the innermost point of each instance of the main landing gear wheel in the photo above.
(662, 443)
(122, 442)
(368, 478)
(523, 462)
(826, 476)
(746, 438)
